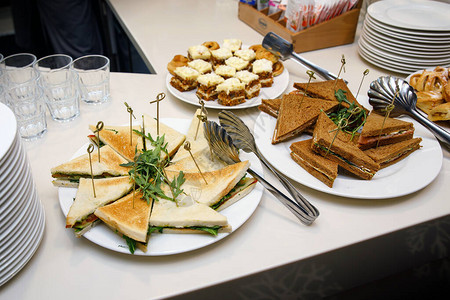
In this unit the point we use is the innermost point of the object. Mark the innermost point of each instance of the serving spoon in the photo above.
(243, 139)
(222, 146)
(387, 90)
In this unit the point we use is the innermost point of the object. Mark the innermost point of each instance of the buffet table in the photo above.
(352, 242)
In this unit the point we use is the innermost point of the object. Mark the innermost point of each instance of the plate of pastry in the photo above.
(231, 76)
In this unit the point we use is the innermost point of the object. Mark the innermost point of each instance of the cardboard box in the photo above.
(337, 31)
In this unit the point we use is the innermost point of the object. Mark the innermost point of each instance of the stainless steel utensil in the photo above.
(284, 49)
(243, 139)
(384, 89)
(222, 146)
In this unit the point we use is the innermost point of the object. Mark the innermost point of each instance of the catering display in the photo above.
(21, 212)
(231, 76)
(345, 136)
(406, 36)
(192, 192)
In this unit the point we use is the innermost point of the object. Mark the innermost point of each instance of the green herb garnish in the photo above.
(354, 115)
(131, 244)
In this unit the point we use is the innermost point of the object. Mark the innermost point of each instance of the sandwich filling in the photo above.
(370, 139)
(346, 161)
(313, 167)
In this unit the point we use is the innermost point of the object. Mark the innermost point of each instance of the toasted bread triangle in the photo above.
(118, 137)
(298, 113)
(218, 183)
(173, 138)
(129, 215)
(109, 164)
(107, 190)
(167, 213)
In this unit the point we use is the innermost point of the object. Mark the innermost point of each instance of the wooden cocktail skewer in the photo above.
(98, 127)
(187, 146)
(90, 148)
(365, 73)
(388, 110)
(202, 117)
(311, 75)
(339, 74)
(159, 98)
(130, 111)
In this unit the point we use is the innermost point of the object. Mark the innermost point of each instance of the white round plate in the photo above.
(168, 244)
(14, 181)
(383, 29)
(17, 203)
(22, 257)
(412, 14)
(403, 59)
(404, 69)
(280, 83)
(9, 127)
(405, 177)
(411, 44)
(419, 33)
(418, 53)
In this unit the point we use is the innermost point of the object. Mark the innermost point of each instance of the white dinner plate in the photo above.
(280, 83)
(412, 14)
(408, 60)
(410, 44)
(26, 252)
(405, 177)
(410, 36)
(168, 244)
(414, 52)
(404, 69)
(9, 129)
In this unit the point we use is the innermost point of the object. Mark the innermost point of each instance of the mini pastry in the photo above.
(211, 45)
(238, 63)
(225, 71)
(231, 92)
(246, 54)
(199, 52)
(232, 44)
(201, 66)
(219, 56)
(440, 112)
(263, 68)
(251, 81)
(207, 84)
(185, 79)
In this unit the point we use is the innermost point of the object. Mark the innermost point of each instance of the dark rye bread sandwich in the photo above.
(326, 90)
(390, 154)
(296, 114)
(379, 131)
(340, 149)
(270, 106)
(317, 165)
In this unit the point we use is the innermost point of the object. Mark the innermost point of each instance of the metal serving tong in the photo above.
(388, 90)
(243, 139)
(283, 49)
(223, 147)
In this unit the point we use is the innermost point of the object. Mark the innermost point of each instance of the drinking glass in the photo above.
(93, 72)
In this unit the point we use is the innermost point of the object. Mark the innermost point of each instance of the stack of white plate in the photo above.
(405, 36)
(21, 213)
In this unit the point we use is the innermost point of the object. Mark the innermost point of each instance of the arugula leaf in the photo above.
(130, 243)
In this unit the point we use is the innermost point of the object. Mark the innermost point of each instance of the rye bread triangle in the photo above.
(296, 115)
(317, 165)
(390, 154)
(387, 130)
(326, 90)
(341, 149)
(374, 124)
